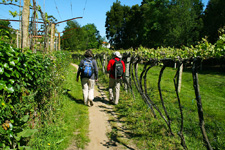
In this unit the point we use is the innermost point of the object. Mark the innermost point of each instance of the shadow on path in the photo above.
(101, 99)
(78, 101)
(114, 137)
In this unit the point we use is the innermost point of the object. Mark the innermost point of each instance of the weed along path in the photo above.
(103, 124)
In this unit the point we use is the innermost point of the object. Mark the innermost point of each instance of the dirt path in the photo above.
(102, 120)
(99, 124)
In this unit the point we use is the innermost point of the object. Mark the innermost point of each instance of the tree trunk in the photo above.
(25, 23)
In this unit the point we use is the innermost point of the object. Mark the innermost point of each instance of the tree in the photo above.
(92, 36)
(76, 37)
(184, 22)
(154, 22)
(114, 24)
(214, 19)
(71, 39)
(128, 29)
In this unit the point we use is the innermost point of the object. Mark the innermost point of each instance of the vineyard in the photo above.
(30, 83)
(139, 66)
(170, 97)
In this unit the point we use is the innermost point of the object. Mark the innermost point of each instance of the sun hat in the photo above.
(117, 54)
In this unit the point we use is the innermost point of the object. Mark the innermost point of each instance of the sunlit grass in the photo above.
(152, 133)
(70, 123)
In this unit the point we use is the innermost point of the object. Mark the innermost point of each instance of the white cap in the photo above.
(117, 54)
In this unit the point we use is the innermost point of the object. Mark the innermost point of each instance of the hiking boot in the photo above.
(91, 103)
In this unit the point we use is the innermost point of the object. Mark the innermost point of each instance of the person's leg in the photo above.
(111, 86)
(84, 82)
(91, 91)
(117, 91)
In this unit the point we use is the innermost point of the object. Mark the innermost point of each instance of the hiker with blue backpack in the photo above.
(116, 70)
(88, 72)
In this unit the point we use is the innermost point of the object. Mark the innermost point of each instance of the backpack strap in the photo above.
(117, 60)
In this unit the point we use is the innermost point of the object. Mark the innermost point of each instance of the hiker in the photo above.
(88, 71)
(116, 70)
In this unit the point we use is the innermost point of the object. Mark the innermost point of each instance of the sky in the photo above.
(91, 11)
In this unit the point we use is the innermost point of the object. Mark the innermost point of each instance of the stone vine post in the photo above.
(52, 37)
(103, 63)
(180, 77)
(25, 23)
(127, 72)
(59, 41)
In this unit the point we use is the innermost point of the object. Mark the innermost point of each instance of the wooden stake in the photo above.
(180, 78)
(59, 42)
(52, 37)
(25, 23)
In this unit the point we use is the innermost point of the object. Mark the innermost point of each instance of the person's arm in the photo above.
(109, 66)
(79, 70)
(124, 68)
(96, 70)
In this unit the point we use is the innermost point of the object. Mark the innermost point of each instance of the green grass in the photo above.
(70, 121)
(152, 133)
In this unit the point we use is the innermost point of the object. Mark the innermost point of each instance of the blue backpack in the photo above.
(88, 68)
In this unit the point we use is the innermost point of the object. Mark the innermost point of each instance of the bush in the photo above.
(26, 84)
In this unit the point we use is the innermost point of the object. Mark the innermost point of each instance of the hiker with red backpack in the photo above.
(88, 72)
(116, 70)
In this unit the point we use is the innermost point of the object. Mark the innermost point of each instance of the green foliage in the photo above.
(23, 75)
(14, 14)
(115, 24)
(77, 38)
(154, 24)
(93, 37)
(214, 19)
(184, 23)
(7, 34)
(69, 122)
(203, 49)
(27, 83)
(5, 31)
(220, 45)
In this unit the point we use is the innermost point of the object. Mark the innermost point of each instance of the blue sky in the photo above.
(92, 11)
